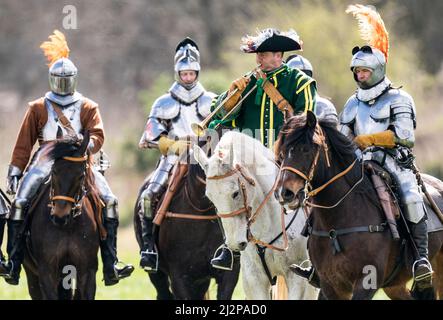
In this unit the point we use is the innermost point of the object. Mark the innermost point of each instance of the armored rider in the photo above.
(381, 120)
(168, 125)
(41, 124)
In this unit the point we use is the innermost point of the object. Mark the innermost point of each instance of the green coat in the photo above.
(258, 116)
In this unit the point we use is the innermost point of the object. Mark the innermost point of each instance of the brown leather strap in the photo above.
(65, 198)
(282, 104)
(177, 174)
(189, 216)
(62, 118)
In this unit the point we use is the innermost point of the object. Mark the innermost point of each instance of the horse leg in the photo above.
(86, 286)
(49, 285)
(298, 288)
(226, 282)
(399, 292)
(362, 293)
(33, 285)
(185, 287)
(256, 284)
(160, 280)
(438, 275)
(329, 292)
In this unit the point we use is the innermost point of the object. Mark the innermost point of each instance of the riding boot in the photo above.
(2, 230)
(148, 254)
(306, 273)
(421, 269)
(224, 260)
(113, 270)
(15, 247)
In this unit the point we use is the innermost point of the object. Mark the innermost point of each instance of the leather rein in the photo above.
(320, 140)
(77, 200)
(247, 210)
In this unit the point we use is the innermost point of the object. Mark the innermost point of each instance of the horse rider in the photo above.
(324, 108)
(381, 120)
(41, 123)
(170, 119)
(258, 114)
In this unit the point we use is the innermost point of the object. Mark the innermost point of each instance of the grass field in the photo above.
(136, 287)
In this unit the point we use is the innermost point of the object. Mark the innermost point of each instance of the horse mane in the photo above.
(295, 130)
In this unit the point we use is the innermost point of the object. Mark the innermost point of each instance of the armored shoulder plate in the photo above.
(204, 103)
(165, 107)
(401, 102)
(349, 111)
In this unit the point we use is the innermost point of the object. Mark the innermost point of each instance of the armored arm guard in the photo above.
(403, 118)
(163, 110)
(347, 118)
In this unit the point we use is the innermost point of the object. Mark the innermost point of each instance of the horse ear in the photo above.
(59, 133)
(201, 158)
(85, 143)
(311, 119)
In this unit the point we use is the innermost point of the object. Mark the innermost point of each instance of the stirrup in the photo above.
(424, 277)
(149, 254)
(223, 248)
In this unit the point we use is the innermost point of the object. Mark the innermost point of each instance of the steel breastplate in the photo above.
(71, 112)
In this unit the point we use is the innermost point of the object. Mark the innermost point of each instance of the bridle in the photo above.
(320, 140)
(77, 199)
(242, 179)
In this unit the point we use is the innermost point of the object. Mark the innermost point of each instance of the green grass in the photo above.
(136, 287)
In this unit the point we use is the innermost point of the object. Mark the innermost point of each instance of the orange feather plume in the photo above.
(55, 48)
(371, 26)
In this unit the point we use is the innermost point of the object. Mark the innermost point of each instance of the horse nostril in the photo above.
(242, 245)
(60, 221)
(287, 195)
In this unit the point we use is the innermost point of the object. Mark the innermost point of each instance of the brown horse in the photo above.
(344, 258)
(62, 240)
(186, 245)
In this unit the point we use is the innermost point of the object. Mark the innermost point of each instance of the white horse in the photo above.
(240, 176)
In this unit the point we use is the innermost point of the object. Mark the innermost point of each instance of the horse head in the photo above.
(68, 176)
(233, 185)
(305, 148)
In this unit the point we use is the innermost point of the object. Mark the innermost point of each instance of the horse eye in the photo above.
(235, 195)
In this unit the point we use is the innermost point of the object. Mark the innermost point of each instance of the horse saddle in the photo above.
(390, 200)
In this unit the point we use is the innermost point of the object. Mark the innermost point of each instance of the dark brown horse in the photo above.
(305, 145)
(186, 246)
(63, 240)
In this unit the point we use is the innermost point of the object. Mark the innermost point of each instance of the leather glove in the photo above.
(384, 139)
(239, 84)
(166, 145)
(14, 175)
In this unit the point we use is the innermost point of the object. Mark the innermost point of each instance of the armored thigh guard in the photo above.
(32, 180)
(156, 184)
(409, 191)
(106, 195)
